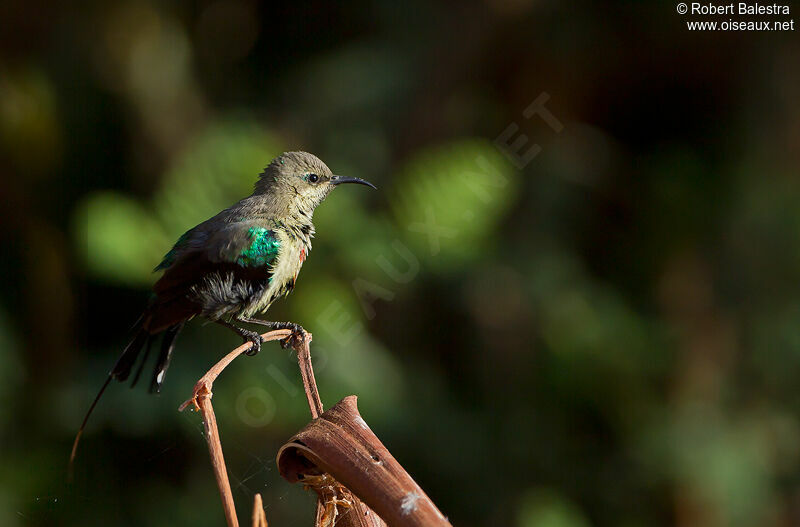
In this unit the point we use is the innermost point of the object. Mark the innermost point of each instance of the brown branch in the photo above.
(202, 387)
(323, 466)
(341, 445)
(301, 346)
(201, 400)
(259, 518)
(303, 350)
(217, 459)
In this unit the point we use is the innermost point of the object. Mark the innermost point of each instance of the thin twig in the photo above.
(203, 386)
(259, 518)
(201, 400)
(307, 373)
(303, 349)
(218, 460)
(330, 498)
(354, 512)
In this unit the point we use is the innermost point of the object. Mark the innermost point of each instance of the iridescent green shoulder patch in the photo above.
(263, 248)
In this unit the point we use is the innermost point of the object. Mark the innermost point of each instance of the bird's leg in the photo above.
(247, 335)
(297, 329)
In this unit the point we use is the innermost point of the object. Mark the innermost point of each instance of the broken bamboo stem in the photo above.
(341, 446)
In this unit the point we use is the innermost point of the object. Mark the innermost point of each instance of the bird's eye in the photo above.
(313, 178)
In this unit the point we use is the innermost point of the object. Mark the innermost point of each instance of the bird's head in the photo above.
(300, 179)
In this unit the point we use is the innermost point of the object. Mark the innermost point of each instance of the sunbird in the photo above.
(234, 265)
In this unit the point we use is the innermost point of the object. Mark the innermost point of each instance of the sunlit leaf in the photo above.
(448, 200)
(118, 238)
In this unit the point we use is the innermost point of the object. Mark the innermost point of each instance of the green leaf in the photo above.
(448, 200)
(117, 238)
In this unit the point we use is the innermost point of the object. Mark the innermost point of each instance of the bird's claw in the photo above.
(256, 341)
(298, 334)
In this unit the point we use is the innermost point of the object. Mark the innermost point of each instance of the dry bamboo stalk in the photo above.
(340, 451)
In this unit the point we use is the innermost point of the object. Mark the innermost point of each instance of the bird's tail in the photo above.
(141, 341)
(120, 371)
(122, 368)
(124, 365)
(167, 345)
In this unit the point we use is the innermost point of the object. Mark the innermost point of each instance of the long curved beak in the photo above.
(338, 180)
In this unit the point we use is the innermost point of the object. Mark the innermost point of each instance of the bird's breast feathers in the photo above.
(284, 269)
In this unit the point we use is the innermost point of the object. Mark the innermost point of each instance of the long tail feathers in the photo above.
(120, 371)
(123, 367)
(83, 425)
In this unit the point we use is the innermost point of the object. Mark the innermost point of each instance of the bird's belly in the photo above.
(284, 274)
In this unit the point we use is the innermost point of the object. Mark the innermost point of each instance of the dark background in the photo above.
(608, 336)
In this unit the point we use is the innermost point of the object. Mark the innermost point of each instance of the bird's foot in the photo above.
(255, 339)
(298, 334)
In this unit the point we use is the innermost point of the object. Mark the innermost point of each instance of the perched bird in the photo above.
(235, 265)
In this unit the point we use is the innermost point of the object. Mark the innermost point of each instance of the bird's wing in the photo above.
(190, 238)
(248, 248)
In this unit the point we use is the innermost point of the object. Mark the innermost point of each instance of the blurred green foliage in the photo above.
(541, 508)
(468, 184)
(606, 336)
(213, 171)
